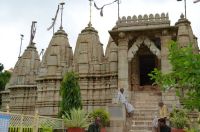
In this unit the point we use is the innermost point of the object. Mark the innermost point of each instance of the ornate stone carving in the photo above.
(122, 35)
(144, 20)
(146, 41)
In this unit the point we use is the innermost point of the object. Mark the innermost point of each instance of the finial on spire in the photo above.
(22, 36)
(62, 4)
(90, 22)
(41, 53)
(33, 31)
(53, 19)
(182, 16)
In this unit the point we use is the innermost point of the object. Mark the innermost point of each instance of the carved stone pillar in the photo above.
(165, 64)
(123, 61)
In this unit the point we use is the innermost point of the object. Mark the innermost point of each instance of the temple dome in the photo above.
(88, 49)
(26, 68)
(57, 57)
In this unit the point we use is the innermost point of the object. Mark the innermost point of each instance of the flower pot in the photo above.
(75, 130)
(103, 129)
(177, 130)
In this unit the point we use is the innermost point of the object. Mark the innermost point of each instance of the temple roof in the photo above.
(88, 45)
(25, 69)
(57, 57)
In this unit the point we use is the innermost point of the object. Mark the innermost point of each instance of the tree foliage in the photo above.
(184, 77)
(4, 77)
(70, 93)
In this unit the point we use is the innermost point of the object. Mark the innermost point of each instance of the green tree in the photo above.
(184, 76)
(70, 93)
(4, 77)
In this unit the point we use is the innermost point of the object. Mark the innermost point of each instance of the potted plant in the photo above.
(103, 115)
(178, 120)
(76, 120)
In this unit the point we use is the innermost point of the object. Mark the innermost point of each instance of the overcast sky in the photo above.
(16, 17)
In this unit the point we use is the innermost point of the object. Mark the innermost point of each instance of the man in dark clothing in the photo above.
(95, 127)
(162, 127)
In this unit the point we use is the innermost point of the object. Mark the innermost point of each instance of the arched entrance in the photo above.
(143, 57)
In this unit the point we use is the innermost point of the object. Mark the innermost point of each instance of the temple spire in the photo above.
(22, 36)
(90, 21)
(53, 19)
(62, 4)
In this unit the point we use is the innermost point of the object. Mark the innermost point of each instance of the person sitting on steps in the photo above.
(122, 99)
(163, 114)
(95, 126)
(162, 127)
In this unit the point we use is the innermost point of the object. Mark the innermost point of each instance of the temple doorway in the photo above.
(140, 66)
(146, 65)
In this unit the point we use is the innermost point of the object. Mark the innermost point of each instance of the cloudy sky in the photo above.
(16, 17)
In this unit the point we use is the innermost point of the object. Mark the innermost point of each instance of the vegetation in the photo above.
(4, 77)
(102, 114)
(178, 118)
(184, 77)
(77, 118)
(45, 127)
(70, 93)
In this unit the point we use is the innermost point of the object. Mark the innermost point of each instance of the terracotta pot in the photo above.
(75, 130)
(177, 130)
(103, 129)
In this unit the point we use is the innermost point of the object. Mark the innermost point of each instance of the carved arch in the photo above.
(146, 41)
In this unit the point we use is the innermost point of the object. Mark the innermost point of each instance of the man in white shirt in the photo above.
(122, 99)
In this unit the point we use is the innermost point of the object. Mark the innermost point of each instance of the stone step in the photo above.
(147, 102)
(141, 127)
(144, 110)
(117, 123)
(140, 130)
(143, 107)
(142, 122)
(146, 106)
(139, 118)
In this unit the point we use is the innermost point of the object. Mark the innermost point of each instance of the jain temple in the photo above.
(136, 46)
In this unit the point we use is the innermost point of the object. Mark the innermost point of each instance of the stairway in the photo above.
(146, 106)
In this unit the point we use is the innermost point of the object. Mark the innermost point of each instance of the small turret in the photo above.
(111, 56)
(185, 33)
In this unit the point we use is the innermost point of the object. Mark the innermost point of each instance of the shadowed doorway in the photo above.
(147, 64)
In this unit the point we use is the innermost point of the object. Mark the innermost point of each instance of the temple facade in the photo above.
(136, 46)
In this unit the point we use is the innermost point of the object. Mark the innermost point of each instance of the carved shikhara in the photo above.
(146, 41)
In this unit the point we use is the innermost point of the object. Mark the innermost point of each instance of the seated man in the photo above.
(95, 127)
(163, 114)
(162, 127)
(122, 99)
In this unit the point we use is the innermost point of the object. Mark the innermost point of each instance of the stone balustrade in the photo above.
(140, 20)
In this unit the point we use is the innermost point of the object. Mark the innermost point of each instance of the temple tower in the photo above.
(21, 91)
(89, 62)
(22, 85)
(185, 34)
(55, 62)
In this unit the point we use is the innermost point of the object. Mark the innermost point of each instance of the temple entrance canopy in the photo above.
(142, 44)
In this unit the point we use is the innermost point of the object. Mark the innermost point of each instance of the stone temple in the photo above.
(136, 46)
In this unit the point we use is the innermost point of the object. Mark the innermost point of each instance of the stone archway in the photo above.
(143, 57)
(146, 41)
